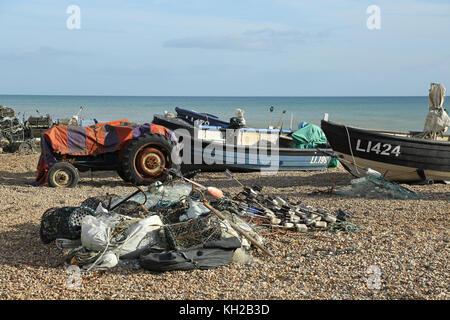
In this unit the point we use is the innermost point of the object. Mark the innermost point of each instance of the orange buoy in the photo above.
(214, 192)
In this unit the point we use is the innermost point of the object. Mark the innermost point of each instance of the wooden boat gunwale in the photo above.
(391, 133)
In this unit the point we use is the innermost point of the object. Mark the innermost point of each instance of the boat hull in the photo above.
(211, 156)
(171, 123)
(214, 156)
(398, 158)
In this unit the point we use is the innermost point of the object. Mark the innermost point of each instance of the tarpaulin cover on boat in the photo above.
(89, 141)
(437, 120)
(309, 136)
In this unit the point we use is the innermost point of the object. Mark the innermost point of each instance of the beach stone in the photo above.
(330, 219)
(301, 227)
(320, 224)
(288, 225)
(31, 270)
(275, 221)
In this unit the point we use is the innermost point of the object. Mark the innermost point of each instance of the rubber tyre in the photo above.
(122, 175)
(25, 148)
(63, 175)
(145, 157)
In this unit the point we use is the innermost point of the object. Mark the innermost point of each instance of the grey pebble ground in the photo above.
(401, 251)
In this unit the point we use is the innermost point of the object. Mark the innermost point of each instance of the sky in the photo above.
(224, 47)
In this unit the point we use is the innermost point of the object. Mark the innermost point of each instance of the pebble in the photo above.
(340, 270)
(320, 224)
(275, 221)
(301, 227)
(288, 225)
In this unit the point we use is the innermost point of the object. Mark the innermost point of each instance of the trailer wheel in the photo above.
(25, 148)
(145, 158)
(122, 175)
(62, 175)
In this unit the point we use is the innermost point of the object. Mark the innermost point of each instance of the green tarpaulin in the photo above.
(309, 137)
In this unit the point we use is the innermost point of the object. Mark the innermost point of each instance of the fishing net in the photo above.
(130, 208)
(171, 211)
(372, 187)
(344, 226)
(55, 224)
(65, 222)
(184, 235)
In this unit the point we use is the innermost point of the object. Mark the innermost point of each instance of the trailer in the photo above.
(139, 153)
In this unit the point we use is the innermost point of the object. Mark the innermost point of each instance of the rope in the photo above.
(82, 258)
(351, 150)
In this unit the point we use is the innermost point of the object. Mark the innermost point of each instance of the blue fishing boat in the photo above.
(191, 117)
(216, 147)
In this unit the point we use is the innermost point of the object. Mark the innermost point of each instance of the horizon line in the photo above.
(212, 96)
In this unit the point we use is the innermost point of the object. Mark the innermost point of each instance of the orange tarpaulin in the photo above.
(90, 141)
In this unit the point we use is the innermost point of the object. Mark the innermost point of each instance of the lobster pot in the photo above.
(40, 122)
(39, 125)
(191, 233)
(66, 222)
(55, 224)
(6, 112)
(19, 135)
(8, 123)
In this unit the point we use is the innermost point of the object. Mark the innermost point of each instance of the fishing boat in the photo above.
(191, 116)
(189, 119)
(400, 156)
(216, 147)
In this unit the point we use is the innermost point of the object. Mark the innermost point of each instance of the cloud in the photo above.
(227, 42)
(261, 39)
(168, 71)
(41, 52)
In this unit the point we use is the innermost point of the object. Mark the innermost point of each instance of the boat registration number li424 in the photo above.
(385, 149)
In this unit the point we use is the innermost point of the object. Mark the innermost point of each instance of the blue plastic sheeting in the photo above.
(302, 124)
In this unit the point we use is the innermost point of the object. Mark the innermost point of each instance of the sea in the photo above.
(388, 113)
